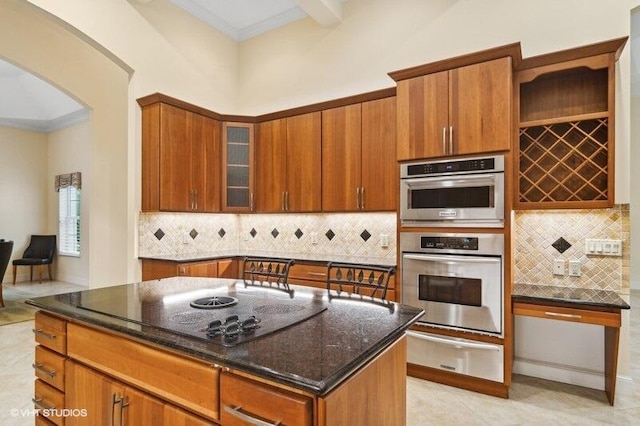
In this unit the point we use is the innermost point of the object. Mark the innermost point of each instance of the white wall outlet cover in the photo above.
(559, 267)
(575, 267)
(384, 240)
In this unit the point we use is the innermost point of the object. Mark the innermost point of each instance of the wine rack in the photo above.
(564, 162)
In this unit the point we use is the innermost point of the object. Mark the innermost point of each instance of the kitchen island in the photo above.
(135, 350)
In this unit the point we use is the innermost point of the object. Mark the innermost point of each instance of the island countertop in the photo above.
(315, 354)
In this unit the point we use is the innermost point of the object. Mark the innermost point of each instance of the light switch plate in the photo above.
(599, 247)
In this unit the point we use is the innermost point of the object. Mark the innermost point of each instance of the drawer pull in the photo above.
(40, 368)
(41, 332)
(38, 402)
(557, 314)
(243, 415)
(317, 274)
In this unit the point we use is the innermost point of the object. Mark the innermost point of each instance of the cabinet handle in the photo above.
(358, 198)
(40, 332)
(191, 199)
(195, 199)
(444, 140)
(251, 205)
(39, 402)
(115, 400)
(362, 198)
(245, 416)
(286, 201)
(39, 367)
(450, 140)
(557, 314)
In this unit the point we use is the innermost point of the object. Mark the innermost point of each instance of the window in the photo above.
(68, 214)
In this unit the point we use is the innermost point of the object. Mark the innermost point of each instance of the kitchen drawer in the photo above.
(46, 397)
(302, 273)
(308, 272)
(186, 382)
(245, 402)
(49, 366)
(456, 355)
(51, 332)
(609, 319)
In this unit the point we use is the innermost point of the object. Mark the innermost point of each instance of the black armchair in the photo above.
(6, 248)
(39, 253)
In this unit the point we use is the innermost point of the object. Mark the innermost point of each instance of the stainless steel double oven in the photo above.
(456, 277)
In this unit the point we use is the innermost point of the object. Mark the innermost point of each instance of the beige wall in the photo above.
(68, 151)
(23, 199)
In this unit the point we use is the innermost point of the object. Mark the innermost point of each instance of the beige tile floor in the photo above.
(532, 401)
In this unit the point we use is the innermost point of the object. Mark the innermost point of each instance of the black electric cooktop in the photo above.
(222, 316)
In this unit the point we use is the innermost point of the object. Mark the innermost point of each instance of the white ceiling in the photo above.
(27, 102)
(30, 103)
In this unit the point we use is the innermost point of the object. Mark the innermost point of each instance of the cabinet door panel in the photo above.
(304, 162)
(481, 108)
(379, 167)
(271, 165)
(199, 269)
(423, 113)
(141, 409)
(205, 163)
(341, 158)
(175, 159)
(93, 392)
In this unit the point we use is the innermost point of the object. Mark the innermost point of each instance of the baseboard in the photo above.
(559, 373)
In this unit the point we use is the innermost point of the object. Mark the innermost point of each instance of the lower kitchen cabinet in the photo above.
(109, 402)
(153, 269)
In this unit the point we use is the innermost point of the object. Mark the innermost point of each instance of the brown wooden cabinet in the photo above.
(463, 110)
(153, 269)
(566, 154)
(359, 170)
(108, 401)
(288, 169)
(181, 160)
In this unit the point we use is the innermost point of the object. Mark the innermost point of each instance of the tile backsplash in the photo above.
(544, 235)
(348, 234)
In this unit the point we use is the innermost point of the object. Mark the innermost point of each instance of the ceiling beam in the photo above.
(324, 12)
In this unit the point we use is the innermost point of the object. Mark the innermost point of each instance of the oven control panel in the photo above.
(449, 243)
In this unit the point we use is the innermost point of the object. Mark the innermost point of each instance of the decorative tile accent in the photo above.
(159, 234)
(275, 232)
(344, 234)
(193, 234)
(365, 235)
(561, 245)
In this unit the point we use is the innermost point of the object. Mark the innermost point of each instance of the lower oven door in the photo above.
(468, 357)
(455, 291)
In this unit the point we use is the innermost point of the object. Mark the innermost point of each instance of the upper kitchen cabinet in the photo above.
(359, 170)
(458, 106)
(238, 175)
(180, 159)
(566, 144)
(288, 164)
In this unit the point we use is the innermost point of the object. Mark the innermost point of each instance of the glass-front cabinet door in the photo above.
(238, 176)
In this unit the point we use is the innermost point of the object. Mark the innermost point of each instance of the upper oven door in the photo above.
(468, 198)
(455, 290)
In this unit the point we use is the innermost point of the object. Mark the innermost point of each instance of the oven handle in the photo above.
(447, 258)
(458, 343)
(451, 181)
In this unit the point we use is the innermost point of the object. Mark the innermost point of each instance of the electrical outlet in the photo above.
(384, 240)
(575, 268)
(314, 238)
(559, 267)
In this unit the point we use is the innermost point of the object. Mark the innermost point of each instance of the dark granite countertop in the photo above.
(319, 258)
(315, 354)
(582, 298)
